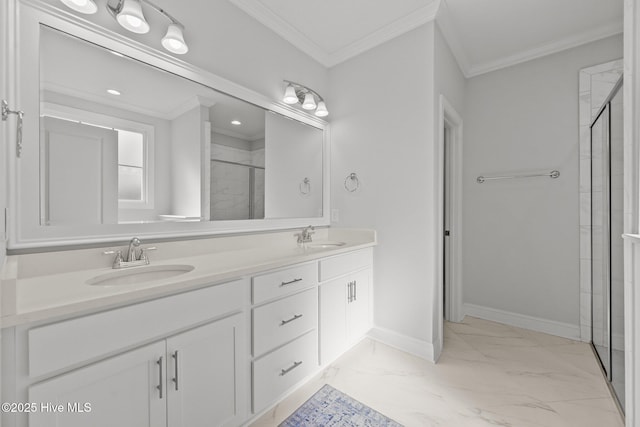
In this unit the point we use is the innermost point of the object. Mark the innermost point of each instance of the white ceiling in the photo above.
(483, 35)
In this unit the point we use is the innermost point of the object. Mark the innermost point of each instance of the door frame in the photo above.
(449, 116)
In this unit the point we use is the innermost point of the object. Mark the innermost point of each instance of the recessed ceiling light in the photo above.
(236, 122)
(113, 92)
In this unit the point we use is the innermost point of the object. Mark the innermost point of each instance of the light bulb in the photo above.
(83, 6)
(173, 41)
(321, 111)
(132, 18)
(290, 96)
(309, 103)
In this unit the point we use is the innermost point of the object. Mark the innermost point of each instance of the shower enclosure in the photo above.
(237, 190)
(607, 286)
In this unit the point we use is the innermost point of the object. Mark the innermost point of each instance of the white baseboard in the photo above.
(405, 343)
(552, 327)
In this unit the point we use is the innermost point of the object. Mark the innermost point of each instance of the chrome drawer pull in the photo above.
(175, 361)
(159, 386)
(294, 366)
(290, 282)
(295, 317)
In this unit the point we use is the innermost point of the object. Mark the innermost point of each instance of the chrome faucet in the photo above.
(133, 245)
(305, 235)
(134, 257)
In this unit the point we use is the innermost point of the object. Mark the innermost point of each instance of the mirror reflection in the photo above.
(125, 142)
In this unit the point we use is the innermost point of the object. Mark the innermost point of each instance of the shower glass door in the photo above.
(607, 292)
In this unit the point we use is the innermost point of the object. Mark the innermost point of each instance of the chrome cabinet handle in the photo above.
(295, 317)
(5, 111)
(284, 372)
(160, 387)
(350, 297)
(290, 282)
(355, 290)
(175, 363)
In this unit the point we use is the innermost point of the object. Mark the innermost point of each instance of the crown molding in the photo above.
(448, 30)
(435, 11)
(265, 16)
(546, 49)
(285, 30)
(227, 132)
(400, 26)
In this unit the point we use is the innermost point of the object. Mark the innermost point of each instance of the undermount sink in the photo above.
(325, 245)
(135, 275)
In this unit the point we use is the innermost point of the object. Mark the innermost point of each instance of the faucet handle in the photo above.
(118, 259)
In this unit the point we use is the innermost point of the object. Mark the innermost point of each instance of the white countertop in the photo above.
(52, 286)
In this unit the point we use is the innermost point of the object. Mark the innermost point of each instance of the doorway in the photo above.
(448, 296)
(446, 215)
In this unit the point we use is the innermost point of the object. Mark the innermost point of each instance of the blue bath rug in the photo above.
(332, 408)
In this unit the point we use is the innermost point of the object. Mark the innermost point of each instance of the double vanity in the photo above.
(212, 332)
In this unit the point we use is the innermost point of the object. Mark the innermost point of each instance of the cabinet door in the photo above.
(205, 382)
(358, 310)
(121, 391)
(333, 319)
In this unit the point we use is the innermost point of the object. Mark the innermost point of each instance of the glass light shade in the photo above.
(173, 41)
(290, 96)
(83, 6)
(322, 111)
(309, 103)
(132, 18)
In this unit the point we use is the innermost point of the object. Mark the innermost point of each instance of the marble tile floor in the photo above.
(489, 374)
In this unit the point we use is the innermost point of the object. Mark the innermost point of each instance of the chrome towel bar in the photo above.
(552, 174)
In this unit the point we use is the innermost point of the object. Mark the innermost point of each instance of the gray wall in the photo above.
(450, 83)
(382, 129)
(521, 237)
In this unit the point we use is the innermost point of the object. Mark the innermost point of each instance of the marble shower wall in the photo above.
(230, 183)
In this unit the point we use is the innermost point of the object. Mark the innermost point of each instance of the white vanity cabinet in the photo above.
(202, 375)
(285, 331)
(120, 390)
(191, 373)
(186, 380)
(217, 355)
(345, 302)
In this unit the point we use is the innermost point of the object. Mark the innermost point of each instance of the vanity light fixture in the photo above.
(309, 99)
(130, 16)
(87, 7)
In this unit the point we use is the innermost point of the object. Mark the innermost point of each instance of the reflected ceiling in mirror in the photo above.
(123, 142)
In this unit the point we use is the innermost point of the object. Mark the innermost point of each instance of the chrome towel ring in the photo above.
(351, 182)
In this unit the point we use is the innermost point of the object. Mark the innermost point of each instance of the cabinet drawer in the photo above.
(283, 282)
(344, 264)
(66, 343)
(278, 322)
(276, 372)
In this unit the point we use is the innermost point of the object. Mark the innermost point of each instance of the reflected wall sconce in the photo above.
(295, 93)
(130, 16)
